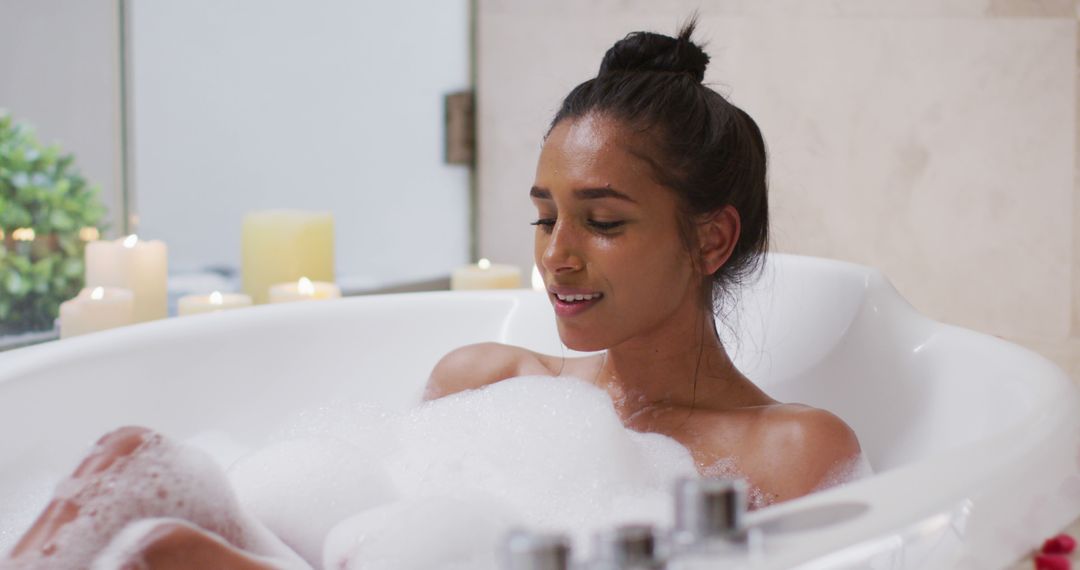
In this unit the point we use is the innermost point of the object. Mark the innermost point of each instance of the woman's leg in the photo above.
(172, 544)
(126, 478)
(62, 510)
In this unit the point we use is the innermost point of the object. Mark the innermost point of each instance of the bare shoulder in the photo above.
(806, 448)
(477, 365)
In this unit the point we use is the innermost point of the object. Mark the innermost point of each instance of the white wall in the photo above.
(331, 105)
(59, 71)
(933, 140)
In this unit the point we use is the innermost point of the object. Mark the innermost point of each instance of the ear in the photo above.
(717, 233)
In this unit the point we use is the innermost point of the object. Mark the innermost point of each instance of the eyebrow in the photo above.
(584, 194)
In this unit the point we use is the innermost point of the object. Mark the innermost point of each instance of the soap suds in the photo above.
(355, 486)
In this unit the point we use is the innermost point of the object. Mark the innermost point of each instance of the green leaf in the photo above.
(15, 284)
(60, 221)
(72, 267)
(14, 216)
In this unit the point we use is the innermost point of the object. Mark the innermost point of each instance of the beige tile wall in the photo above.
(934, 140)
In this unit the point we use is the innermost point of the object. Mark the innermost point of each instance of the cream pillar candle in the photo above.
(130, 263)
(303, 290)
(212, 303)
(95, 310)
(281, 246)
(485, 275)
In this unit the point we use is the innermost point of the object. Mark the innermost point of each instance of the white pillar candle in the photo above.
(212, 303)
(95, 310)
(279, 246)
(303, 290)
(134, 264)
(485, 275)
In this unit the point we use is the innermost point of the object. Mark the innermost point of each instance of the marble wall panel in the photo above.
(940, 150)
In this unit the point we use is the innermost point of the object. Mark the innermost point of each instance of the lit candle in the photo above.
(486, 275)
(130, 263)
(303, 290)
(212, 303)
(280, 246)
(95, 310)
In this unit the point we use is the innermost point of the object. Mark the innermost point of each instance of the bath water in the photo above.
(350, 485)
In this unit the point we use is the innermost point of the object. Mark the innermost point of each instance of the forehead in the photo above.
(594, 151)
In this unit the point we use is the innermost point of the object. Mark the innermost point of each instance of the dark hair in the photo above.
(708, 151)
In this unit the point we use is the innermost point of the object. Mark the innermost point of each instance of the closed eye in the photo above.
(545, 223)
(605, 226)
(549, 223)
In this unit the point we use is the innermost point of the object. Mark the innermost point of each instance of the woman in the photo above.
(651, 200)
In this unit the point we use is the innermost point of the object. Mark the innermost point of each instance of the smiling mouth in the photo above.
(578, 298)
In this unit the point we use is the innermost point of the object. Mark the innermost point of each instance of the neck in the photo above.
(681, 364)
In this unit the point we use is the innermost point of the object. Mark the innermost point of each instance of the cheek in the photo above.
(655, 274)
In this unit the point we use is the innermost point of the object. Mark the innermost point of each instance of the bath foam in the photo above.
(546, 453)
(300, 488)
(853, 469)
(728, 468)
(551, 448)
(857, 467)
(219, 445)
(158, 479)
(419, 534)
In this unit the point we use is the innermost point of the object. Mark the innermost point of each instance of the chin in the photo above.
(581, 341)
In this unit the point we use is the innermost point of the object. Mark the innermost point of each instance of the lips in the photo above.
(570, 301)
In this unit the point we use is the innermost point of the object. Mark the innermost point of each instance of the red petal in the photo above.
(1052, 562)
(1060, 544)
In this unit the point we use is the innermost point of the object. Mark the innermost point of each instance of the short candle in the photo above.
(212, 303)
(303, 290)
(96, 309)
(485, 275)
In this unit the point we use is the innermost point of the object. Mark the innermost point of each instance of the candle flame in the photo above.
(305, 287)
(537, 280)
(484, 263)
(98, 293)
(89, 234)
(23, 234)
(216, 298)
(130, 241)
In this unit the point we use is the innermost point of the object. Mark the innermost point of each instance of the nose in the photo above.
(562, 253)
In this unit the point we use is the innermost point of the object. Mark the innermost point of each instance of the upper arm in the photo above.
(807, 449)
(478, 365)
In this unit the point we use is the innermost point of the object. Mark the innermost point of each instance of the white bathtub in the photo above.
(975, 441)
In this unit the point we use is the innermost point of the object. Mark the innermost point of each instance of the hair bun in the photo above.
(647, 51)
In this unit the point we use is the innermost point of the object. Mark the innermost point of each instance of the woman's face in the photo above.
(607, 238)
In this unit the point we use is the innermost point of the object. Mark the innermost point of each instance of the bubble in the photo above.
(421, 534)
(300, 488)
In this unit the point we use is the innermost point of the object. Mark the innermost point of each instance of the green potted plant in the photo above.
(47, 211)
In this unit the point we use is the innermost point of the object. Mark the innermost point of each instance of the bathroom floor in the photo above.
(1028, 563)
